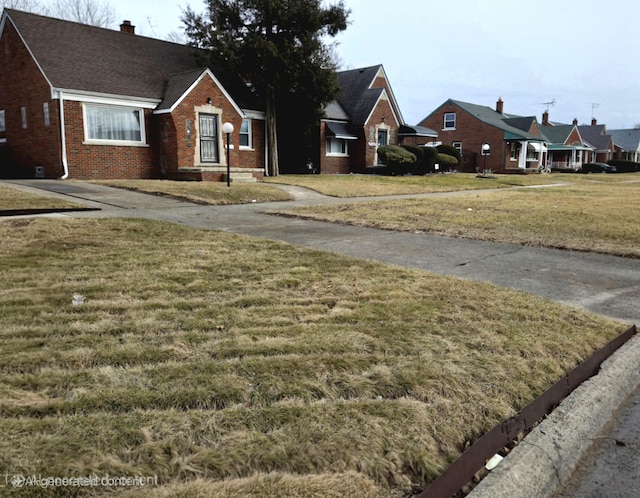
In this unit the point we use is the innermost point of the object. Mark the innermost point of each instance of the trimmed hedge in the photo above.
(450, 150)
(624, 166)
(398, 159)
(447, 161)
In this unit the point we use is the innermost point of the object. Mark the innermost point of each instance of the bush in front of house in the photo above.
(419, 167)
(450, 150)
(447, 161)
(624, 166)
(397, 159)
(429, 158)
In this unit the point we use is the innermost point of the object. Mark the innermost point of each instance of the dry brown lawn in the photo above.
(228, 366)
(375, 185)
(204, 192)
(598, 213)
(13, 198)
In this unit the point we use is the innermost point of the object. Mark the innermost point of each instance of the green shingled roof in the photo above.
(511, 124)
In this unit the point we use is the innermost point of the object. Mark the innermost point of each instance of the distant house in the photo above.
(627, 143)
(566, 148)
(364, 116)
(90, 103)
(602, 142)
(515, 142)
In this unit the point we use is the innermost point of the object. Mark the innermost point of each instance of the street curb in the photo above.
(547, 457)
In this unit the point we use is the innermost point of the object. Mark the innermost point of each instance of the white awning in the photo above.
(535, 146)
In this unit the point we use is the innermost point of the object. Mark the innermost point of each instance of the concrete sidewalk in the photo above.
(607, 285)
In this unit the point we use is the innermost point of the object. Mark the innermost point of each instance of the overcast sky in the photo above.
(582, 54)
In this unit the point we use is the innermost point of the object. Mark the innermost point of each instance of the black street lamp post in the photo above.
(227, 128)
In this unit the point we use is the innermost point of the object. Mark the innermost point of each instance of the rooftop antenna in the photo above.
(152, 26)
(549, 104)
(593, 106)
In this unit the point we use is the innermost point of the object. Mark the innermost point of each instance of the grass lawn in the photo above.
(375, 185)
(230, 366)
(598, 213)
(13, 198)
(204, 192)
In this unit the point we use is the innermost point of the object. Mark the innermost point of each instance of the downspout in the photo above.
(63, 139)
(266, 149)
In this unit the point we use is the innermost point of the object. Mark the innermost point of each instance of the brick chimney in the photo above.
(127, 27)
(499, 105)
(594, 121)
(575, 121)
(545, 118)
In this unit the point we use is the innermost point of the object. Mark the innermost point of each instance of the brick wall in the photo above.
(97, 161)
(334, 165)
(179, 150)
(22, 85)
(472, 133)
(381, 116)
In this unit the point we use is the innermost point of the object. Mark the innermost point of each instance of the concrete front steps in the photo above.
(217, 174)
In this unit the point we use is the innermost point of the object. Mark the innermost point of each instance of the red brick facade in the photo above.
(471, 133)
(37, 144)
(168, 148)
(178, 135)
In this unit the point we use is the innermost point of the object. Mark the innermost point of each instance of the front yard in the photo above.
(227, 366)
(597, 213)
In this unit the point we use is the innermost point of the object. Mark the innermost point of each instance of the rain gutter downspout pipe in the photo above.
(63, 139)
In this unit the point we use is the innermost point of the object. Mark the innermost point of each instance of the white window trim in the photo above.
(3, 122)
(459, 146)
(250, 133)
(337, 154)
(23, 116)
(128, 143)
(444, 121)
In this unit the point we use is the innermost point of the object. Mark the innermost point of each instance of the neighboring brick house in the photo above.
(596, 135)
(90, 103)
(364, 116)
(567, 149)
(516, 143)
(627, 143)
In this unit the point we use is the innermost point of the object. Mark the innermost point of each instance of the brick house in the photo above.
(567, 149)
(627, 143)
(596, 135)
(516, 144)
(364, 116)
(90, 103)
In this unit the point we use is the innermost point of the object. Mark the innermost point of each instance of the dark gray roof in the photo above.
(335, 111)
(355, 96)
(340, 130)
(416, 131)
(595, 135)
(85, 58)
(628, 140)
(176, 86)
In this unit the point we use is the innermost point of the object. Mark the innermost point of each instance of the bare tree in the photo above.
(24, 5)
(94, 12)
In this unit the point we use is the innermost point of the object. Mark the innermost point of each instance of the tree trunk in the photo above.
(272, 136)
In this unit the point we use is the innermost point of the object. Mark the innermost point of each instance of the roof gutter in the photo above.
(63, 138)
